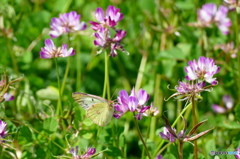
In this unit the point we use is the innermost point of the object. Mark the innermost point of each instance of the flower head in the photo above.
(87, 155)
(167, 135)
(202, 70)
(110, 19)
(51, 51)
(238, 153)
(228, 49)
(209, 14)
(67, 22)
(3, 131)
(133, 102)
(228, 102)
(107, 37)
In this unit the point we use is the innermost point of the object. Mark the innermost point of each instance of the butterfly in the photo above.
(98, 109)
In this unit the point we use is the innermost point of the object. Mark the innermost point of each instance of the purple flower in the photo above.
(159, 157)
(110, 19)
(202, 70)
(133, 102)
(51, 51)
(67, 22)
(228, 102)
(107, 37)
(87, 155)
(228, 48)
(209, 14)
(238, 153)
(8, 97)
(3, 131)
(167, 135)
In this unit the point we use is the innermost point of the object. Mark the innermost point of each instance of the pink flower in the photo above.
(209, 14)
(133, 102)
(228, 105)
(202, 70)
(110, 19)
(67, 22)
(3, 131)
(51, 51)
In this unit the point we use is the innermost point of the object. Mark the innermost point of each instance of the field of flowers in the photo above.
(120, 79)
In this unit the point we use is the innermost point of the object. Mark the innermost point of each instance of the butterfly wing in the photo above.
(100, 113)
(86, 101)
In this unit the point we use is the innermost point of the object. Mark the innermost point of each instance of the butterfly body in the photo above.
(98, 109)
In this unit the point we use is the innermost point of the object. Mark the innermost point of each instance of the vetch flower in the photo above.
(209, 14)
(228, 102)
(202, 70)
(3, 131)
(110, 19)
(238, 153)
(135, 102)
(170, 134)
(87, 155)
(152, 111)
(8, 97)
(51, 51)
(66, 23)
(107, 36)
(228, 49)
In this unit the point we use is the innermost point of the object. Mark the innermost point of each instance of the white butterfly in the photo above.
(98, 109)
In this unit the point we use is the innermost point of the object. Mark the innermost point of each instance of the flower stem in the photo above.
(141, 137)
(238, 53)
(59, 105)
(66, 70)
(106, 87)
(194, 123)
(13, 57)
(180, 152)
(140, 71)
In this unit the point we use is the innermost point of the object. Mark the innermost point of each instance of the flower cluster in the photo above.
(228, 49)
(3, 131)
(66, 23)
(170, 134)
(209, 14)
(199, 72)
(51, 51)
(228, 102)
(87, 155)
(135, 102)
(106, 23)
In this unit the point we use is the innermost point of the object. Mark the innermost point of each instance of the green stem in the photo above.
(141, 137)
(174, 123)
(140, 71)
(13, 57)
(238, 55)
(106, 87)
(194, 123)
(65, 75)
(59, 105)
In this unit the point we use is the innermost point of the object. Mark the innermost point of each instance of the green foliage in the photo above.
(160, 40)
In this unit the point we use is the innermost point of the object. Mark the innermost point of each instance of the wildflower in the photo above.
(133, 102)
(3, 131)
(209, 14)
(238, 153)
(232, 4)
(159, 157)
(202, 70)
(51, 51)
(87, 155)
(8, 97)
(228, 102)
(107, 37)
(170, 134)
(228, 48)
(66, 23)
(152, 111)
(112, 17)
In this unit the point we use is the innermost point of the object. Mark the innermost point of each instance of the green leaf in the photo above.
(50, 93)
(87, 134)
(50, 125)
(237, 112)
(229, 125)
(113, 152)
(25, 135)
